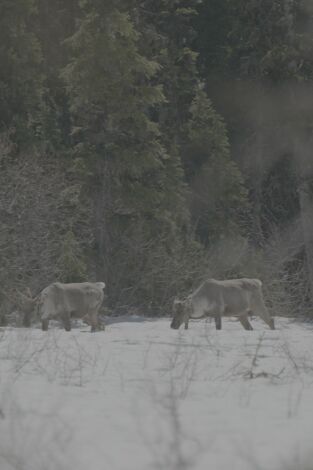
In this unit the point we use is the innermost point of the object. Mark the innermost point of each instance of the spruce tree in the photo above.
(53, 24)
(21, 78)
(219, 198)
(136, 184)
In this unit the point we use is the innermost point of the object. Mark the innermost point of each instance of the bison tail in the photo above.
(101, 284)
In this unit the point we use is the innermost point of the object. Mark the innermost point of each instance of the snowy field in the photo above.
(141, 396)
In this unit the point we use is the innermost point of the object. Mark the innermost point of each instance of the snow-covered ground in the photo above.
(141, 396)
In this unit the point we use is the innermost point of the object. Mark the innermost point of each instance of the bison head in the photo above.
(180, 313)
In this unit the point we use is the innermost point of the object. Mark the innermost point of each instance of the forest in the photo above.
(152, 144)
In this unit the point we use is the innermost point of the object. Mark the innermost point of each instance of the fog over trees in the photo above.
(153, 144)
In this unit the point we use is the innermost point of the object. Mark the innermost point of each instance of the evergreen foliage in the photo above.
(218, 192)
(112, 98)
(21, 78)
(150, 144)
(70, 264)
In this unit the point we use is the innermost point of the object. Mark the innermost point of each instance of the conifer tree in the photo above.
(136, 184)
(188, 124)
(219, 197)
(54, 23)
(21, 79)
(167, 36)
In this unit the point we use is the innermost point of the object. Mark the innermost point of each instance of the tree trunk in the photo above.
(258, 174)
(304, 164)
(101, 202)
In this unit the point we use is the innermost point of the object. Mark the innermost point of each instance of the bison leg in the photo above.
(66, 318)
(93, 318)
(271, 324)
(86, 319)
(44, 324)
(186, 324)
(97, 325)
(245, 322)
(218, 321)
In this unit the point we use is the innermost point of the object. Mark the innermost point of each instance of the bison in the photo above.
(233, 297)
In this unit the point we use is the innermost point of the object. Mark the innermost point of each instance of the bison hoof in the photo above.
(272, 325)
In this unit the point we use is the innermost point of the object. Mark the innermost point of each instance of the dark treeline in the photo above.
(152, 144)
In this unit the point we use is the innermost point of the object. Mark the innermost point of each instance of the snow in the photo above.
(142, 396)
